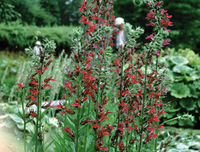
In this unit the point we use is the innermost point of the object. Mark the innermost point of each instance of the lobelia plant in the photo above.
(32, 91)
(99, 81)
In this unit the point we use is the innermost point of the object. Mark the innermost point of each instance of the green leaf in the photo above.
(173, 122)
(182, 69)
(185, 123)
(198, 103)
(16, 118)
(188, 104)
(194, 93)
(188, 78)
(43, 113)
(179, 90)
(172, 110)
(179, 60)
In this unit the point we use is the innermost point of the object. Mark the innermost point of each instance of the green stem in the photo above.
(24, 119)
(171, 119)
(143, 106)
(38, 112)
(78, 117)
(77, 129)
(97, 102)
(85, 143)
(127, 141)
(156, 140)
(23, 109)
(120, 95)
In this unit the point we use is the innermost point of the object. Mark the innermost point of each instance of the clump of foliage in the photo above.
(184, 73)
(18, 36)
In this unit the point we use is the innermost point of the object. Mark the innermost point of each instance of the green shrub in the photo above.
(20, 36)
(184, 89)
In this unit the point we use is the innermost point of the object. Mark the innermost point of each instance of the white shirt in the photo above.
(120, 39)
(36, 50)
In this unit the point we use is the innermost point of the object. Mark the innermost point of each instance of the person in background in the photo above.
(120, 38)
(37, 48)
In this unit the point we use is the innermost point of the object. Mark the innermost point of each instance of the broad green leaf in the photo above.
(179, 90)
(198, 103)
(16, 118)
(187, 123)
(179, 60)
(188, 104)
(172, 109)
(182, 69)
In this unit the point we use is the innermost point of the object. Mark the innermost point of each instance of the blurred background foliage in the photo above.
(22, 22)
(48, 13)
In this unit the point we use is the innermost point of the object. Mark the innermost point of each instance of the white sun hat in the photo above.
(38, 43)
(119, 21)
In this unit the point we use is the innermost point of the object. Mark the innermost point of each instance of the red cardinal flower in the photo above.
(20, 85)
(163, 11)
(67, 129)
(150, 15)
(166, 42)
(150, 37)
(31, 97)
(151, 24)
(77, 103)
(67, 110)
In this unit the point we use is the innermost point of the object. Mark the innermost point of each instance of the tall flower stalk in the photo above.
(32, 88)
(100, 80)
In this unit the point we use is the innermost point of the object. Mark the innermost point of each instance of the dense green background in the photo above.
(22, 22)
(184, 34)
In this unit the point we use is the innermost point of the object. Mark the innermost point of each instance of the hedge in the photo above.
(17, 36)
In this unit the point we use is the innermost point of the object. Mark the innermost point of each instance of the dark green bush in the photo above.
(20, 36)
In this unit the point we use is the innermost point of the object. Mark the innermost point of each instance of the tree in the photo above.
(186, 14)
(52, 7)
(186, 30)
(7, 12)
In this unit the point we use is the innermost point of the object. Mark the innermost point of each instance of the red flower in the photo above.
(58, 106)
(150, 37)
(132, 141)
(38, 71)
(121, 145)
(77, 103)
(154, 118)
(32, 103)
(34, 92)
(162, 112)
(158, 3)
(31, 113)
(95, 125)
(67, 129)
(47, 105)
(49, 79)
(31, 97)
(82, 7)
(152, 110)
(151, 24)
(120, 126)
(64, 96)
(85, 121)
(163, 11)
(20, 85)
(161, 126)
(150, 15)
(166, 42)
(67, 110)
